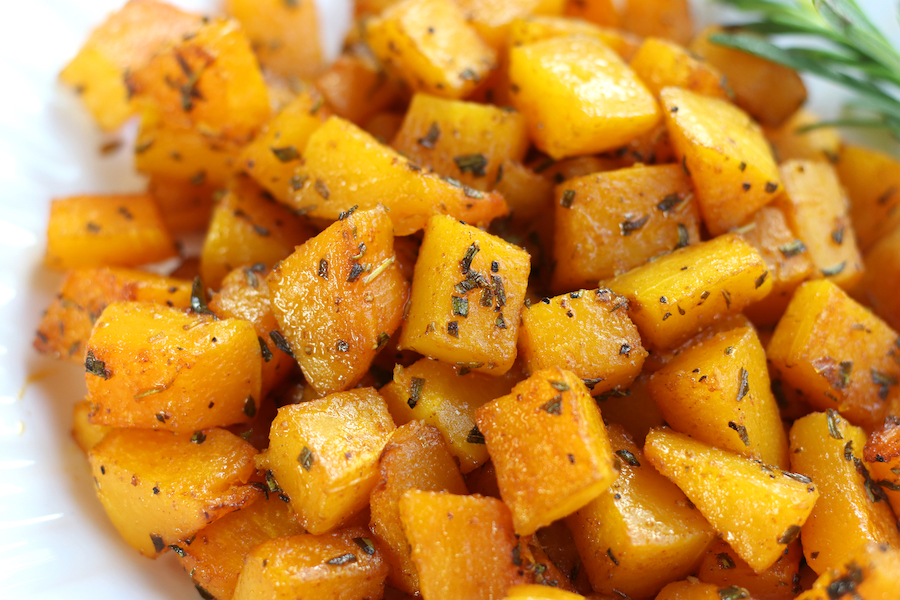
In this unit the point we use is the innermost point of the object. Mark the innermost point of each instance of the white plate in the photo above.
(55, 540)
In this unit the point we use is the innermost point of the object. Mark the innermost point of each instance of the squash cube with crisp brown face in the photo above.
(345, 564)
(429, 44)
(578, 96)
(549, 446)
(467, 294)
(339, 297)
(724, 152)
(581, 332)
(159, 487)
(323, 454)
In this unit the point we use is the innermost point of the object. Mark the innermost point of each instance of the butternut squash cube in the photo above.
(872, 181)
(416, 457)
(549, 447)
(67, 323)
(880, 284)
(600, 12)
(159, 487)
(209, 82)
(791, 141)
(462, 546)
(608, 223)
(786, 257)
(156, 367)
(676, 296)
(852, 509)
(657, 360)
(581, 333)
(467, 295)
(344, 564)
(836, 353)
(244, 294)
(380, 175)
(534, 591)
(324, 455)
(770, 92)
(632, 408)
(186, 206)
(106, 231)
(215, 556)
(756, 508)
(248, 227)
(718, 392)
(817, 209)
(492, 19)
(694, 589)
(578, 97)
(339, 297)
(726, 155)
(273, 158)
(641, 532)
(446, 397)
(661, 63)
(284, 35)
(86, 434)
(527, 193)
(124, 42)
(873, 573)
(462, 140)
(356, 88)
(536, 28)
(430, 45)
(723, 567)
(670, 19)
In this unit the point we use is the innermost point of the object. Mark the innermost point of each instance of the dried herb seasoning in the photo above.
(306, 458)
(471, 163)
(431, 137)
(416, 385)
(628, 457)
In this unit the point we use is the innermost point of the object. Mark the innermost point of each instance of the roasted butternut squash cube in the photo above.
(356, 88)
(416, 457)
(676, 296)
(209, 82)
(872, 181)
(669, 19)
(160, 487)
(492, 19)
(186, 206)
(534, 29)
(284, 35)
(600, 12)
(467, 294)
(380, 175)
(726, 155)
(324, 455)
(67, 323)
(535, 591)
(694, 589)
(661, 63)
(447, 397)
(549, 447)
(244, 294)
(273, 158)
(817, 209)
(86, 434)
(156, 367)
(880, 285)
(608, 223)
(837, 353)
(769, 92)
(463, 140)
(215, 556)
(792, 141)
(723, 567)
(578, 96)
(462, 546)
(527, 193)
(718, 392)
(873, 573)
(124, 42)
(106, 231)
(339, 297)
(632, 408)
(641, 532)
(430, 45)
(580, 332)
(657, 360)
(248, 227)
(758, 509)
(852, 509)
(343, 564)
(786, 257)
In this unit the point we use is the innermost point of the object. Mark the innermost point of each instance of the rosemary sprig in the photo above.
(851, 52)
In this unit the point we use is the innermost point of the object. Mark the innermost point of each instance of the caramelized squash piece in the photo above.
(873, 573)
(791, 141)
(661, 63)
(872, 181)
(670, 19)
(880, 285)
(723, 567)
(534, 29)
(160, 487)
(86, 434)
(492, 19)
(355, 88)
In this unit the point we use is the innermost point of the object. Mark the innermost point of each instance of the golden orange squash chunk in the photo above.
(872, 181)
(723, 567)
(873, 573)
(661, 63)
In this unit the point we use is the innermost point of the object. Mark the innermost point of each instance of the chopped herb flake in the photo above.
(792, 249)
(632, 224)
(835, 270)
(285, 154)
(250, 407)
(553, 406)
(669, 202)
(559, 386)
(628, 457)
(96, 367)
(365, 544)
(343, 559)
(831, 417)
(741, 431)
(791, 534)
(281, 343)
(198, 298)
(306, 458)
(323, 268)
(466, 262)
(431, 137)
(568, 197)
(475, 436)
(743, 385)
(471, 163)
(415, 391)
(460, 306)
